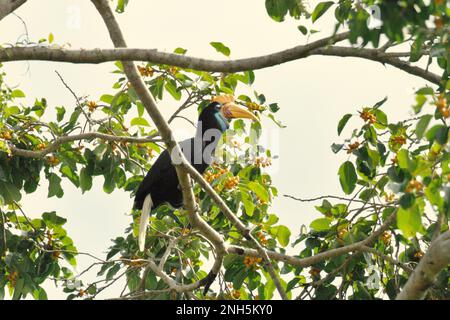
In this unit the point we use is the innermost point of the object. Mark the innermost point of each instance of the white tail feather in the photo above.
(146, 209)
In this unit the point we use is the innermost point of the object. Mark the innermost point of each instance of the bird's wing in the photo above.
(161, 178)
(154, 178)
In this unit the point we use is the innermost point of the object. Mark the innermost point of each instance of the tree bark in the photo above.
(8, 6)
(435, 259)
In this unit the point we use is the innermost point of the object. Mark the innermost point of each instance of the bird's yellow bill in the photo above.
(232, 110)
(223, 99)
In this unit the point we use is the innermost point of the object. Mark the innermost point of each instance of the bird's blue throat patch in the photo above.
(221, 121)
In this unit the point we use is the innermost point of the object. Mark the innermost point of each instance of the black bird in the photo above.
(161, 185)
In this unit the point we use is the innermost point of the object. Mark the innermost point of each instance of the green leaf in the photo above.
(17, 94)
(51, 37)
(9, 192)
(274, 107)
(425, 91)
(276, 9)
(107, 98)
(442, 135)
(171, 87)
(320, 9)
(70, 174)
(337, 147)
(283, 235)
(416, 49)
(422, 125)
(382, 120)
(140, 122)
(18, 289)
(347, 177)
(220, 47)
(112, 272)
(405, 162)
(247, 200)
(85, 180)
(52, 219)
(409, 220)
(121, 4)
(250, 77)
(60, 112)
(259, 190)
(321, 224)
(302, 29)
(8, 111)
(54, 187)
(343, 122)
(380, 103)
(368, 194)
(278, 123)
(109, 184)
(407, 200)
(180, 50)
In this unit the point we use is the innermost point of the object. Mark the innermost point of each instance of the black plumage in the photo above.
(161, 182)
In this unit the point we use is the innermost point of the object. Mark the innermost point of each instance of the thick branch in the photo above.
(83, 136)
(239, 225)
(436, 259)
(8, 6)
(379, 56)
(306, 262)
(319, 47)
(173, 148)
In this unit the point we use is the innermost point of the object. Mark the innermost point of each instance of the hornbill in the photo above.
(161, 185)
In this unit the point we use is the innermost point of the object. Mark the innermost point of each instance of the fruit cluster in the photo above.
(173, 70)
(352, 147)
(398, 140)
(441, 105)
(342, 232)
(6, 135)
(262, 162)
(92, 105)
(414, 185)
(314, 272)
(251, 262)
(231, 182)
(367, 116)
(12, 278)
(185, 231)
(146, 71)
(41, 146)
(262, 238)
(389, 197)
(236, 294)
(52, 160)
(253, 106)
(210, 176)
(386, 238)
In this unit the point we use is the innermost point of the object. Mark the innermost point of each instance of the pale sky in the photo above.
(313, 94)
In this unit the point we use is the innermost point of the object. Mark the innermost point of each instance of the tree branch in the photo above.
(320, 47)
(435, 259)
(8, 6)
(306, 262)
(173, 148)
(240, 227)
(83, 136)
